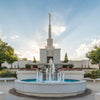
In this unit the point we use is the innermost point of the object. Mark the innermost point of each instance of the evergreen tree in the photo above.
(66, 58)
(34, 59)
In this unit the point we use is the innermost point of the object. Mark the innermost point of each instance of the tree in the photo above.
(25, 59)
(12, 59)
(6, 53)
(66, 58)
(34, 59)
(65, 61)
(94, 55)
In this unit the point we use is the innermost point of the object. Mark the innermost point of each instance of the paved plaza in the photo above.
(9, 85)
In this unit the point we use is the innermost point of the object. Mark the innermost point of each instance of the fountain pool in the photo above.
(50, 87)
(46, 81)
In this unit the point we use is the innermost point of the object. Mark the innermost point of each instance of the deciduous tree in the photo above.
(94, 55)
(6, 53)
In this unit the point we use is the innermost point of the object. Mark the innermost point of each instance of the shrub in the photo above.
(71, 66)
(68, 66)
(7, 74)
(93, 75)
(4, 67)
(27, 66)
(35, 66)
(87, 74)
(65, 66)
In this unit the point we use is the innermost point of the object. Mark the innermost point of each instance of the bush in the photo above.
(65, 66)
(35, 66)
(68, 66)
(4, 67)
(71, 66)
(27, 66)
(87, 74)
(7, 74)
(93, 75)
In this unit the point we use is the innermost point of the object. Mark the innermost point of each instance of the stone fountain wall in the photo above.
(79, 75)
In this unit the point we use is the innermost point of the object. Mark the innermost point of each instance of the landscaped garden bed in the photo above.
(93, 74)
(6, 74)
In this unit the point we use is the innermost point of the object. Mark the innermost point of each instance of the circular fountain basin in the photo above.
(50, 89)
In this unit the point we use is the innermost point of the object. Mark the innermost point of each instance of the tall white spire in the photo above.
(49, 26)
(49, 40)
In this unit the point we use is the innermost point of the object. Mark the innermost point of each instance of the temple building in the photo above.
(49, 52)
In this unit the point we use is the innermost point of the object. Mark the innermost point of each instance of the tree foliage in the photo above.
(94, 55)
(24, 59)
(66, 58)
(34, 59)
(6, 53)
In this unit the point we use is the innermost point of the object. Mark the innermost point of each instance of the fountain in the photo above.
(51, 86)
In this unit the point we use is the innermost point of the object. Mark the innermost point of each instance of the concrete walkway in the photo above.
(6, 86)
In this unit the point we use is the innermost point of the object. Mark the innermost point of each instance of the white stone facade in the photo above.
(49, 52)
(77, 63)
(17, 64)
(45, 53)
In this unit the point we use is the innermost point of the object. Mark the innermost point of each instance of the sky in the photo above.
(75, 26)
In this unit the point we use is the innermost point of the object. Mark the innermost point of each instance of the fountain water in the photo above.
(46, 73)
(50, 74)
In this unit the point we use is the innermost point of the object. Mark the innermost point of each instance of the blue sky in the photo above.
(75, 26)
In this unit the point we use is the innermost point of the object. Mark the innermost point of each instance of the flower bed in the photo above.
(71, 69)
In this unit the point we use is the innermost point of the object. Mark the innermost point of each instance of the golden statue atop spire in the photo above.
(49, 18)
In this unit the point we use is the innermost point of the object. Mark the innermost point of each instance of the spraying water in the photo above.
(50, 74)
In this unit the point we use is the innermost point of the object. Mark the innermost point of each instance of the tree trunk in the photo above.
(0, 66)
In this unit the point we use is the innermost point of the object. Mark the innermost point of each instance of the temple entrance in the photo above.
(48, 58)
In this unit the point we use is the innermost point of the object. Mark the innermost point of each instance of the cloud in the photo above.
(13, 37)
(58, 25)
(58, 30)
(84, 48)
(29, 49)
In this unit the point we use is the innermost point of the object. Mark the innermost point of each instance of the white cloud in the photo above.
(30, 49)
(58, 30)
(58, 25)
(14, 37)
(84, 48)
